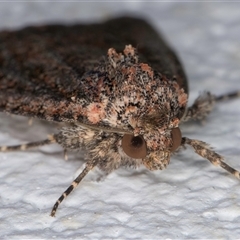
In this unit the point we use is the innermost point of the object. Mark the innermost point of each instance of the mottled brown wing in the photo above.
(41, 67)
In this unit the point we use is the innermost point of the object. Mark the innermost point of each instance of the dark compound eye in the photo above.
(134, 146)
(176, 138)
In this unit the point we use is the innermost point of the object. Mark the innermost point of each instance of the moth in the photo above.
(119, 89)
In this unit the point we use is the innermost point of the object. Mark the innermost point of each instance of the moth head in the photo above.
(136, 146)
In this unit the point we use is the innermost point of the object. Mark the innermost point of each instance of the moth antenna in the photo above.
(89, 166)
(204, 150)
(22, 147)
(228, 96)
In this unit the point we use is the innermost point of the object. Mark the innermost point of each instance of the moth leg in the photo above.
(30, 121)
(201, 107)
(89, 166)
(228, 96)
(204, 104)
(65, 154)
(22, 147)
(204, 150)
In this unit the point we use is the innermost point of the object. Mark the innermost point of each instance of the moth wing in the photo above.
(41, 68)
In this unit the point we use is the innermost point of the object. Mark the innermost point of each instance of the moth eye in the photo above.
(134, 146)
(176, 138)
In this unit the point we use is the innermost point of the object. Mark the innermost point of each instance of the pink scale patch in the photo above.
(95, 112)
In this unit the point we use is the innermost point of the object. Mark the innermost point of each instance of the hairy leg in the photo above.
(89, 166)
(204, 104)
(205, 151)
(22, 147)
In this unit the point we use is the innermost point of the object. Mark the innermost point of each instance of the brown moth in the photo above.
(119, 88)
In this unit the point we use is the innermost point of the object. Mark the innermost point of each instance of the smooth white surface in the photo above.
(190, 199)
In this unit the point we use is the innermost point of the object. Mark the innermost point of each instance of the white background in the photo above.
(190, 199)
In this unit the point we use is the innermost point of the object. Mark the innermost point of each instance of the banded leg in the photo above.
(89, 166)
(51, 139)
(228, 96)
(204, 150)
(204, 104)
